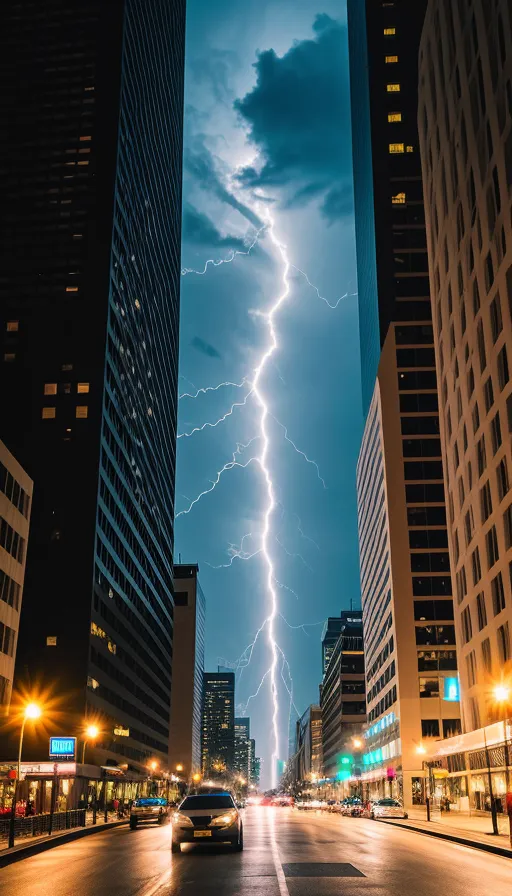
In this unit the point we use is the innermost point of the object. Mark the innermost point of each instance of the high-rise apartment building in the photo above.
(187, 670)
(92, 100)
(15, 506)
(342, 700)
(242, 761)
(465, 122)
(218, 741)
(405, 567)
(330, 635)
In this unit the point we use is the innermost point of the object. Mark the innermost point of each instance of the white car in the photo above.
(388, 808)
(208, 818)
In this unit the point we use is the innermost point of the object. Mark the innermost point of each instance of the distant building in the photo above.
(343, 702)
(15, 506)
(218, 741)
(187, 670)
(465, 121)
(307, 760)
(89, 310)
(332, 629)
(242, 763)
(256, 766)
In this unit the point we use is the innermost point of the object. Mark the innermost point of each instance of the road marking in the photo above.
(283, 889)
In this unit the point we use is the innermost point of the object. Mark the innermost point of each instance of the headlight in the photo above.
(226, 819)
(178, 818)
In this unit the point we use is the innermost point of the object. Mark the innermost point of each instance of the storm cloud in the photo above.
(199, 230)
(298, 116)
(205, 348)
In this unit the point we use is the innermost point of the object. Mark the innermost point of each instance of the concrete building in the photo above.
(330, 635)
(342, 701)
(15, 507)
(89, 313)
(187, 671)
(306, 762)
(465, 123)
(218, 740)
(411, 661)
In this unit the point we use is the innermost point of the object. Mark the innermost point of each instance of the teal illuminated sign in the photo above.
(62, 747)
(451, 689)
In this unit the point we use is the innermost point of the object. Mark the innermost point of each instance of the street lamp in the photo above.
(33, 712)
(503, 695)
(357, 742)
(91, 733)
(179, 767)
(153, 765)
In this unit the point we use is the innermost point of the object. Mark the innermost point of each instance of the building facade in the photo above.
(342, 701)
(242, 761)
(15, 507)
(218, 740)
(406, 591)
(89, 298)
(330, 635)
(187, 670)
(465, 122)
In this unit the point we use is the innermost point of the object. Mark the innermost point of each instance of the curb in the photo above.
(8, 857)
(475, 844)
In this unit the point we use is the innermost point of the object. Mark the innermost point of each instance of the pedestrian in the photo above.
(29, 808)
(115, 804)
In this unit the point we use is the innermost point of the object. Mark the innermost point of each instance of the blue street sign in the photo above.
(62, 747)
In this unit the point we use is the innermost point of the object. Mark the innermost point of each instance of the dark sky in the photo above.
(268, 134)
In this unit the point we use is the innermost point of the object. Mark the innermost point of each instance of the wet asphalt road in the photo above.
(287, 853)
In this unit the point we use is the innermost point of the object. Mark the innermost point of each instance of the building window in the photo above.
(488, 394)
(467, 628)
(429, 687)
(12, 326)
(48, 413)
(389, 59)
(480, 449)
(496, 432)
(409, 148)
(498, 594)
(50, 388)
(481, 346)
(394, 116)
(496, 318)
(399, 199)
(507, 525)
(393, 88)
(491, 541)
(503, 371)
(389, 31)
(9, 357)
(486, 655)
(476, 566)
(81, 411)
(504, 643)
(481, 611)
(469, 525)
(396, 147)
(476, 417)
(502, 478)
(471, 668)
(71, 288)
(82, 387)
(486, 501)
(430, 727)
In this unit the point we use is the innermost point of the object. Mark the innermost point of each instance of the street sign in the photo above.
(62, 747)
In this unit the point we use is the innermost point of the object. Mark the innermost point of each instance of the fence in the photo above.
(35, 825)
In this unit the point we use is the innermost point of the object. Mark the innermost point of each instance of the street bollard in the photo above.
(12, 818)
(427, 801)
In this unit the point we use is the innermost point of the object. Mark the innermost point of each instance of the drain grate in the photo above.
(321, 869)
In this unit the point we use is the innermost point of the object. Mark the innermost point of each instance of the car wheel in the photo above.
(406, 815)
(175, 847)
(372, 816)
(239, 844)
(133, 824)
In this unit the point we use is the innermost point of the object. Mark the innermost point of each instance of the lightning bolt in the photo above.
(229, 259)
(228, 466)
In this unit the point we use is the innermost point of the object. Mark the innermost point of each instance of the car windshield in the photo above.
(215, 801)
(388, 803)
(151, 801)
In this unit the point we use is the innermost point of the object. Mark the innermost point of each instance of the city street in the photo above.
(287, 853)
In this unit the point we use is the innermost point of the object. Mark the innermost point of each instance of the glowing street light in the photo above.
(91, 733)
(501, 693)
(357, 742)
(196, 778)
(179, 767)
(421, 750)
(33, 712)
(153, 765)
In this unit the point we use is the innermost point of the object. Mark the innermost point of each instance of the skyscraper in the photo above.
(187, 670)
(218, 743)
(242, 761)
(333, 627)
(92, 95)
(465, 120)
(405, 567)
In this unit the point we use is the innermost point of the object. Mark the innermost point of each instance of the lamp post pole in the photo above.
(494, 815)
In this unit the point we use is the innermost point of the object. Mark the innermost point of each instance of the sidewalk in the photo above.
(474, 830)
(26, 846)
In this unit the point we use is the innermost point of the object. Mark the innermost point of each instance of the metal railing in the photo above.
(35, 825)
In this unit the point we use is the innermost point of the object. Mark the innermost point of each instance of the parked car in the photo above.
(352, 806)
(208, 818)
(388, 808)
(149, 809)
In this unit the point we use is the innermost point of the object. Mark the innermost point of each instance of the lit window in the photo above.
(393, 88)
(51, 641)
(9, 356)
(395, 116)
(137, 304)
(50, 388)
(71, 288)
(92, 683)
(13, 326)
(409, 148)
(77, 236)
(88, 88)
(396, 147)
(391, 58)
(84, 151)
(81, 411)
(83, 139)
(83, 163)
(48, 413)
(399, 199)
(389, 31)
(82, 387)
